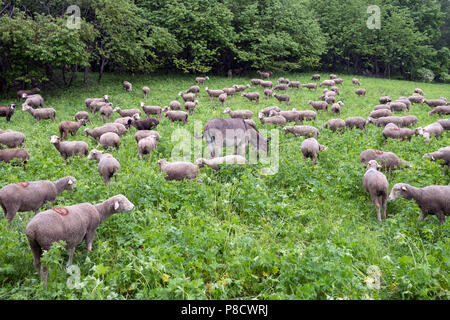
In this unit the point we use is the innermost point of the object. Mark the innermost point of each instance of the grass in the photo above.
(304, 233)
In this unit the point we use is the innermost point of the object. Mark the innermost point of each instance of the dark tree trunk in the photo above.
(102, 69)
(86, 71)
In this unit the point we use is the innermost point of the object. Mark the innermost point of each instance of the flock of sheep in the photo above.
(75, 223)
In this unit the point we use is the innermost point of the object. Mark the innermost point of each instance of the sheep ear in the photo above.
(404, 188)
(116, 205)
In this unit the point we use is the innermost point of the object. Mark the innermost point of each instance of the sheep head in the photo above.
(200, 162)
(94, 154)
(54, 139)
(227, 110)
(400, 190)
(122, 204)
(373, 164)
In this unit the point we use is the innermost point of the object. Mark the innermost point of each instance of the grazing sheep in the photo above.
(385, 100)
(39, 114)
(281, 86)
(432, 129)
(12, 139)
(445, 123)
(394, 132)
(334, 124)
(97, 105)
(336, 107)
(266, 84)
(330, 99)
(255, 82)
(315, 77)
(8, 155)
(440, 110)
(127, 86)
(239, 114)
(283, 80)
(290, 116)
(146, 124)
(7, 112)
(121, 129)
(89, 101)
(277, 120)
(397, 106)
(306, 131)
(250, 122)
(283, 98)
(383, 121)
(71, 127)
(252, 96)
(416, 99)
(190, 106)
(311, 148)
(97, 132)
(154, 110)
(382, 107)
(409, 121)
(35, 100)
(266, 111)
(194, 89)
(107, 164)
(178, 170)
(31, 196)
(213, 93)
(431, 199)
(361, 92)
(229, 91)
(82, 115)
(264, 75)
(419, 91)
(71, 224)
(127, 112)
(201, 80)
(335, 89)
(319, 105)
(68, 149)
(127, 121)
(106, 111)
(405, 101)
(441, 154)
(436, 102)
(215, 163)
(22, 94)
(141, 134)
(268, 93)
(356, 122)
(310, 86)
(240, 88)
(333, 76)
(356, 82)
(177, 116)
(294, 84)
(146, 91)
(187, 96)
(146, 145)
(388, 160)
(338, 81)
(377, 185)
(380, 113)
(109, 139)
(307, 115)
(223, 98)
(328, 83)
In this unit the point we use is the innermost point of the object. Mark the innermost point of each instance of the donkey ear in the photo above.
(116, 205)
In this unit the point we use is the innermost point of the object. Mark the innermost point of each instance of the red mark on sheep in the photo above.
(24, 184)
(61, 211)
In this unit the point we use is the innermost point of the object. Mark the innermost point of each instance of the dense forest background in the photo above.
(213, 36)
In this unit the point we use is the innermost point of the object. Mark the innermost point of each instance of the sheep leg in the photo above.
(384, 203)
(71, 251)
(10, 213)
(44, 276)
(441, 217)
(377, 206)
(89, 239)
